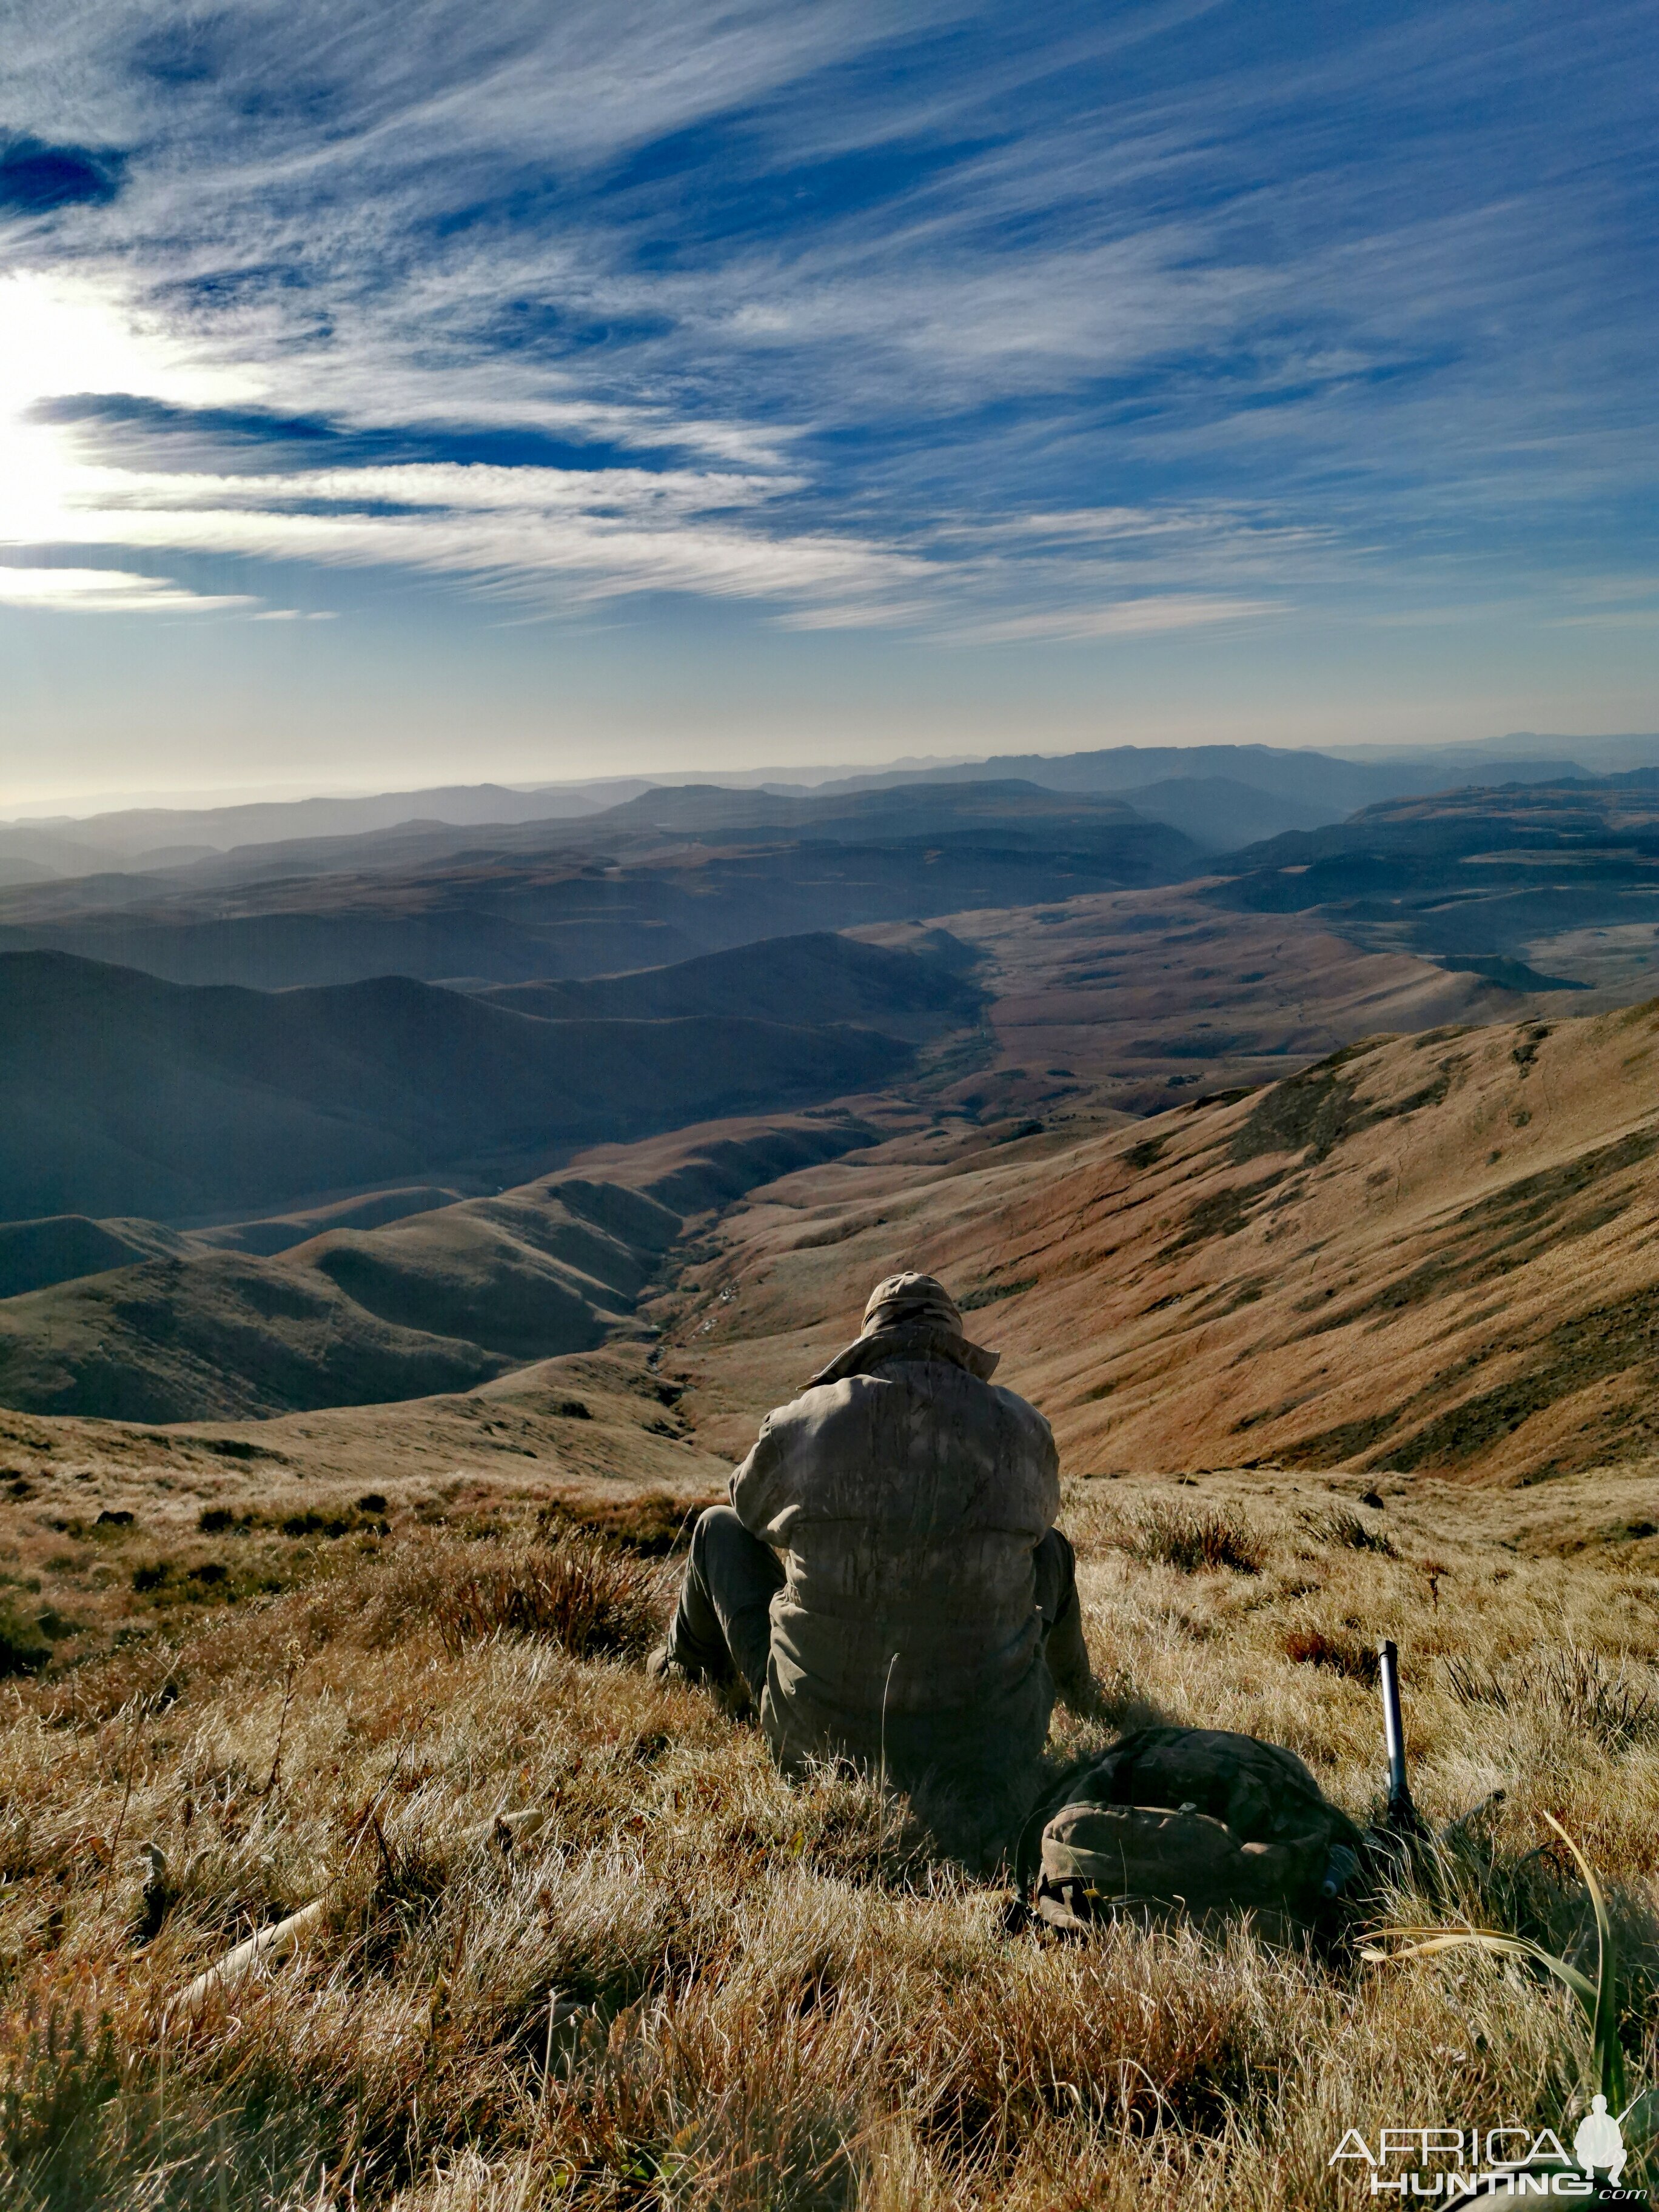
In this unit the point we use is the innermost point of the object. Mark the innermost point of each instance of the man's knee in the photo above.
(711, 1532)
(726, 1557)
(724, 1617)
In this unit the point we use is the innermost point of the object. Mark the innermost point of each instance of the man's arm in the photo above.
(765, 1489)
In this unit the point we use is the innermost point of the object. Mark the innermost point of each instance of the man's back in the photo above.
(887, 1583)
(908, 1501)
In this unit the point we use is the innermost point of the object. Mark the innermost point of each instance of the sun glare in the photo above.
(60, 337)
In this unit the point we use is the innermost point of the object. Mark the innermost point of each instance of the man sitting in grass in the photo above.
(887, 1583)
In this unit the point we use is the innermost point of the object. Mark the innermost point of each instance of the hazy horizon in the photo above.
(81, 805)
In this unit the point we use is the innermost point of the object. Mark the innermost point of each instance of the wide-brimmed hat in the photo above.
(909, 1316)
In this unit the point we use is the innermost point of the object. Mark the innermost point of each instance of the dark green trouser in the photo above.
(723, 1622)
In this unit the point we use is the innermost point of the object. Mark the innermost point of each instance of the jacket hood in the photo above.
(909, 1317)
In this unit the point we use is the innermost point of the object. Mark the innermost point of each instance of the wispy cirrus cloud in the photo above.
(1112, 324)
(107, 591)
(1152, 617)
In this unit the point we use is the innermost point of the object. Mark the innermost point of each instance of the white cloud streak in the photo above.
(1147, 618)
(108, 592)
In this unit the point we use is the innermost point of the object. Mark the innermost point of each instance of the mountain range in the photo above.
(621, 891)
(335, 1118)
(1299, 782)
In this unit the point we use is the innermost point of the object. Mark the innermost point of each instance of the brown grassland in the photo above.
(694, 1985)
(244, 1667)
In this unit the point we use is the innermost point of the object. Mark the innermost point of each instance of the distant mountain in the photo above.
(151, 831)
(977, 810)
(1334, 788)
(123, 1095)
(1333, 783)
(530, 903)
(1219, 813)
(14, 870)
(1536, 884)
(1474, 758)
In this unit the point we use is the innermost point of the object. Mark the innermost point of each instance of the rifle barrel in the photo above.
(1402, 1813)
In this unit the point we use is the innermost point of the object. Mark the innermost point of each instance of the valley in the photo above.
(245, 1203)
(1429, 1254)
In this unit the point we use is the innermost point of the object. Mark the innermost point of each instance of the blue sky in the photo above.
(431, 389)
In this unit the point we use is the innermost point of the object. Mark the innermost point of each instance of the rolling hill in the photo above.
(1551, 885)
(785, 979)
(441, 1300)
(620, 891)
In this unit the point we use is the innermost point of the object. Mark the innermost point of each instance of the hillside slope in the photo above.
(1437, 1254)
(783, 979)
(439, 1301)
(121, 1094)
(1130, 998)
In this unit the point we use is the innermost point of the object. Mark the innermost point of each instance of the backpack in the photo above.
(1189, 1820)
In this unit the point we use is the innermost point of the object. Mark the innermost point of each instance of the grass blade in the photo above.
(1604, 2015)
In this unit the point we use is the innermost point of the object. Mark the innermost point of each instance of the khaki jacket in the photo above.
(906, 1502)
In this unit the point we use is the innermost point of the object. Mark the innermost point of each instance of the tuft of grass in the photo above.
(1193, 1538)
(1575, 1687)
(1338, 1650)
(587, 1598)
(1599, 2000)
(1617, 1706)
(652, 1524)
(1342, 1526)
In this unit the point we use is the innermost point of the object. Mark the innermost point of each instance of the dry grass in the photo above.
(697, 1986)
(583, 1597)
(1340, 1524)
(1192, 1538)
